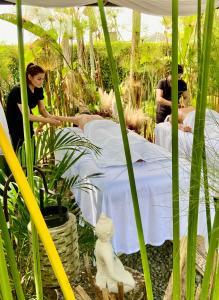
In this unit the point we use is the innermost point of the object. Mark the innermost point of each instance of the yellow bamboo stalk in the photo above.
(36, 215)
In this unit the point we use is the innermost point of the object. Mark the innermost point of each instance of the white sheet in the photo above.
(154, 188)
(163, 137)
(155, 7)
(211, 123)
(4, 124)
(107, 135)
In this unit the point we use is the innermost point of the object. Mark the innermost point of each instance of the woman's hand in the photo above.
(53, 121)
(54, 117)
(185, 128)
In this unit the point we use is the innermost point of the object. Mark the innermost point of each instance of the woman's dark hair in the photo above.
(33, 70)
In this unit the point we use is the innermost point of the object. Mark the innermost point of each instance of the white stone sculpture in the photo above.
(110, 270)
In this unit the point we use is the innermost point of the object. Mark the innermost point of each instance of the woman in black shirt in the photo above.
(34, 76)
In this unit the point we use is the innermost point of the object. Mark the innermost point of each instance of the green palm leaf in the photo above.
(37, 30)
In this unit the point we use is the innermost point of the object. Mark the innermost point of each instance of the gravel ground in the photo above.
(160, 261)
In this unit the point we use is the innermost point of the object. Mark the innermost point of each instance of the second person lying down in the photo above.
(182, 114)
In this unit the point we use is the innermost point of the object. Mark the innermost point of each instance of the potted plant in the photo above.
(50, 188)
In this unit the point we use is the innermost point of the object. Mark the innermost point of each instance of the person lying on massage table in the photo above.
(182, 114)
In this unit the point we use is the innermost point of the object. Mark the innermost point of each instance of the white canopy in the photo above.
(153, 7)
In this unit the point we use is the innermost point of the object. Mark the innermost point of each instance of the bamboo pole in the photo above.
(127, 154)
(204, 162)
(36, 215)
(175, 159)
(4, 278)
(197, 150)
(216, 285)
(206, 188)
(11, 256)
(28, 148)
(199, 35)
(210, 258)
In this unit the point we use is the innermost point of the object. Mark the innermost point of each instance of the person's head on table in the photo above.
(182, 114)
(164, 97)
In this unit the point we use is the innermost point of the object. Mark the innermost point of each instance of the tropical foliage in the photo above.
(74, 72)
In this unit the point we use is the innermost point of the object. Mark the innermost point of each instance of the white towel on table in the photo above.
(106, 134)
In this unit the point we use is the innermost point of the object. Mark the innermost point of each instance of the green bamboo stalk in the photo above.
(175, 159)
(4, 278)
(210, 257)
(197, 149)
(28, 148)
(206, 187)
(199, 34)
(11, 256)
(127, 154)
(205, 169)
(216, 285)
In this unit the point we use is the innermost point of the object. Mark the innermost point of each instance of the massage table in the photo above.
(152, 170)
(163, 138)
(163, 135)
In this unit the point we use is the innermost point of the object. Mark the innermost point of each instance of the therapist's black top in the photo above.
(164, 110)
(14, 115)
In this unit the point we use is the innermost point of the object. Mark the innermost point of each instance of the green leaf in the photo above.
(37, 30)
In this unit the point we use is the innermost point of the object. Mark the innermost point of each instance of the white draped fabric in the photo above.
(113, 197)
(163, 137)
(106, 134)
(155, 7)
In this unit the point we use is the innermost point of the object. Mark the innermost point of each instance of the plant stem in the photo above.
(205, 170)
(210, 257)
(11, 256)
(127, 154)
(28, 147)
(197, 150)
(4, 278)
(175, 159)
(199, 34)
(36, 215)
(206, 187)
(216, 285)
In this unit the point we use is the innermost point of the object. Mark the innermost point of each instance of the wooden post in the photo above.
(105, 294)
(82, 294)
(120, 291)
